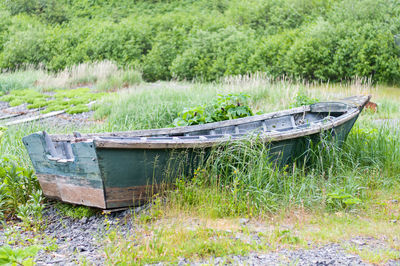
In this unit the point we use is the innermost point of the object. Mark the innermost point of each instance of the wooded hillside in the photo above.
(313, 39)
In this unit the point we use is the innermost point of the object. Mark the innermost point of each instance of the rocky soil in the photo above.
(81, 240)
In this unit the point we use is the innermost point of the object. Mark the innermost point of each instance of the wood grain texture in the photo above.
(60, 187)
(117, 197)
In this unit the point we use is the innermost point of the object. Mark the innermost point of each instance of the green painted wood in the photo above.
(84, 167)
(138, 167)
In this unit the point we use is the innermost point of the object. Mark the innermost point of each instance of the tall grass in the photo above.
(21, 79)
(102, 75)
(238, 179)
(156, 105)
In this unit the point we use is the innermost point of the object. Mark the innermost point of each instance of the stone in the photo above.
(243, 221)
(358, 242)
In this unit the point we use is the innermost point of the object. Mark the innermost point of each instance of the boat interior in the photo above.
(62, 150)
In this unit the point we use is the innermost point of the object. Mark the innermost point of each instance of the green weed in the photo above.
(18, 186)
(76, 212)
(18, 256)
(169, 244)
(31, 212)
(378, 256)
(2, 130)
(225, 107)
(303, 99)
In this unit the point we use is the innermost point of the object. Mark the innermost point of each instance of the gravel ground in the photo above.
(81, 240)
(69, 120)
(327, 255)
(76, 240)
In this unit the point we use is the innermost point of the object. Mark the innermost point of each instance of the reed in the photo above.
(239, 179)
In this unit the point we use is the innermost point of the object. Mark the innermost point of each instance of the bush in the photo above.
(23, 47)
(210, 55)
(16, 186)
(317, 40)
(311, 55)
(50, 10)
(124, 43)
(225, 107)
(167, 45)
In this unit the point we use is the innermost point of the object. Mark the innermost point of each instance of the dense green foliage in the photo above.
(18, 256)
(313, 39)
(224, 107)
(18, 186)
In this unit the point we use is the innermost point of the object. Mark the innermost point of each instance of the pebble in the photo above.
(81, 239)
(243, 221)
(358, 242)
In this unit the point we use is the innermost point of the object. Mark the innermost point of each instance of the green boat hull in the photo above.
(115, 173)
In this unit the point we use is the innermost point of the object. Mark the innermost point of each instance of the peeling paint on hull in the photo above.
(58, 187)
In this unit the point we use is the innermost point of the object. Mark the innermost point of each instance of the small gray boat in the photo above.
(120, 169)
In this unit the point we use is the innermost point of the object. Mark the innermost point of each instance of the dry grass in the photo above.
(104, 75)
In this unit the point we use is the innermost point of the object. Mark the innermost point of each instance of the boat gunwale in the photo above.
(209, 126)
(183, 129)
(204, 143)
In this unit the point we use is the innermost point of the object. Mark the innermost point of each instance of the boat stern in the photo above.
(66, 170)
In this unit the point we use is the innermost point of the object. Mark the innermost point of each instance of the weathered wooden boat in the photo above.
(113, 170)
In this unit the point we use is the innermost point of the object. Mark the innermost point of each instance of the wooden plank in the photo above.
(201, 143)
(12, 113)
(9, 116)
(61, 187)
(329, 107)
(33, 118)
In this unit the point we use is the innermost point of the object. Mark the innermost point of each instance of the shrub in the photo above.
(17, 184)
(50, 10)
(23, 47)
(125, 42)
(311, 55)
(270, 53)
(210, 55)
(225, 107)
(165, 48)
(316, 40)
